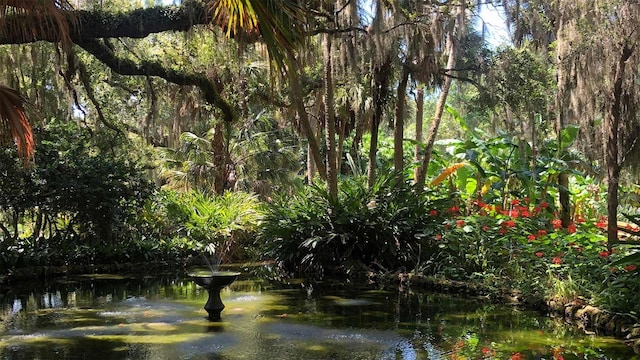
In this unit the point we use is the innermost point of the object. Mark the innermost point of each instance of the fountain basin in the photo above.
(214, 282)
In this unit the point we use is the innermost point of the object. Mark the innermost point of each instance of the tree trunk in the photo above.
(455, 38)
(342, 134)
(373, 148)
(612, 122)
(298, 101)
(419, 121)
(330, 119)
(37, 227)
(398, 127)
(379, 94)
(217, 147)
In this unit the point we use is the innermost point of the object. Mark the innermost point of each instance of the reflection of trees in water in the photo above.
(90, 292)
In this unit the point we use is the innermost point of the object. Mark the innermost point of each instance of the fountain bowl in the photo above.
(214, 281)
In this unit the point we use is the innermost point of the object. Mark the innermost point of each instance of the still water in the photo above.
(125, 317)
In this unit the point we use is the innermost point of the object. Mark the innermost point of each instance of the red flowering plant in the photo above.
(488, 239)
(507, 230)
(526, 246)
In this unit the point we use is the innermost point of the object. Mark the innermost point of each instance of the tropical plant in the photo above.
(218, 226)
(377, 228)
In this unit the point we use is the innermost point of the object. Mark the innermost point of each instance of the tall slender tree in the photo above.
(597, 69)
(453, 42)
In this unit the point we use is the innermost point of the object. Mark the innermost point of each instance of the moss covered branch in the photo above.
(137, 23)
(122, 66)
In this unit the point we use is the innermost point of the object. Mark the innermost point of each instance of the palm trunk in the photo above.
(217, 147)
(380, 82)
(398, 127)
(298, 102)
(419, 115)
(454, 42)
(330, 119)
(373, 149)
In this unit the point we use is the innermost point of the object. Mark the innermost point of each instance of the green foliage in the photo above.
(224, 224)
(81, 192)
(379, 228)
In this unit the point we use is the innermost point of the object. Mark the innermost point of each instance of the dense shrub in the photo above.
(379, 228)
(74, 203)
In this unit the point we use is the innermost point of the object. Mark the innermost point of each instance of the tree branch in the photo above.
(84, 79)
(150, 68)
(138, 23)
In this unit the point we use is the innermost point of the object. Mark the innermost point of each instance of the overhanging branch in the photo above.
(150, 68)
(138, 23)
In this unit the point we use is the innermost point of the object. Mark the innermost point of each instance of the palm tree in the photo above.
(282, 25)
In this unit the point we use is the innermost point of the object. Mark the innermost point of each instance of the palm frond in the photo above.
(280, 23)
(32, 20)
(14, 125)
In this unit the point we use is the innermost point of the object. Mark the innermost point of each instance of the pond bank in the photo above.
(589, 319)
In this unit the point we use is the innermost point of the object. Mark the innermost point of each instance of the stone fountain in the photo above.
(214, 282)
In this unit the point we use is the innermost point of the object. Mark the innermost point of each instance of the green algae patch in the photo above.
(168, 339)
(315, 347)
(105, 276)
(152, 327)
(34, 340)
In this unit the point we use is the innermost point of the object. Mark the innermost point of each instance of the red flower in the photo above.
(516, 356)
(557, 260)
(544, 205)
(557, 223)
(571, 228)
(514, 213)
(485, 350)
(539, 254)
(454, 209)
(603, 254)
(601, 224)
(509, 223)
(630, 268)
(460, 223)
(485, 228)
(502, 231)
(515, 202)
(580, 219)
(531, 237)
(438, 237)
(542, 232)
(525, 213)
(433, 212)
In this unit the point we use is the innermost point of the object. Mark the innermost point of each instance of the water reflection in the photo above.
(115, 317)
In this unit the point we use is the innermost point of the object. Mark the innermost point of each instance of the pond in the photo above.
(161, 317)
